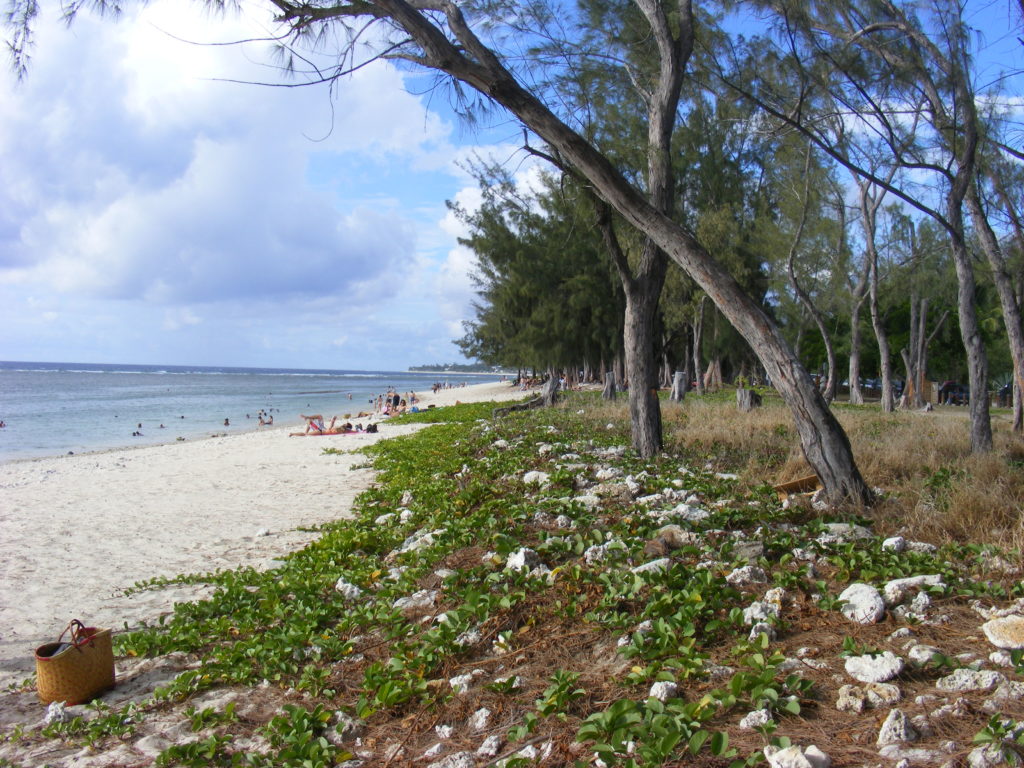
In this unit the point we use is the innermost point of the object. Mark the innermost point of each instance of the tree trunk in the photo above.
(1018, 233)
(549, 393)
(869, 208)
(915, 359)
(1001, 278)
(644, 406)
(911, 395)
(1018, 407)
(548, 397)
(642, 290)
(678, 387)
(698, 332)
(1018, 388)
(747, 400)
(713, 375)
(882, 337)
(609, 386)
(825, 445)
(830, 355)
(687, 372)
(856, 395)
(977, 360)
(801, 294)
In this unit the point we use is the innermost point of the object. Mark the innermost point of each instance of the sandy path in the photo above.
(75, 531)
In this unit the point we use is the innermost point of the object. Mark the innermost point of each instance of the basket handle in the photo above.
(78, 636)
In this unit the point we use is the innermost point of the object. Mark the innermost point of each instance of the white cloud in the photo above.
(151, 213)
(180, 317)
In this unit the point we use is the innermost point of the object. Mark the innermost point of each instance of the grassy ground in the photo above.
(319, 661)
(934, 488)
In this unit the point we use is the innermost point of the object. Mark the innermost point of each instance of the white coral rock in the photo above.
(862, 604)
(874, 669)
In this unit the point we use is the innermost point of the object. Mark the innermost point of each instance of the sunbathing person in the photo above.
(314, 426)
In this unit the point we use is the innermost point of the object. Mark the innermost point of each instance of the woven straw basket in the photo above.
(77, 671)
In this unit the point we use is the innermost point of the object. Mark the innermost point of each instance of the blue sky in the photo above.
(150, 213)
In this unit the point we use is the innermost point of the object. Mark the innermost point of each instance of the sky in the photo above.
(151, 212)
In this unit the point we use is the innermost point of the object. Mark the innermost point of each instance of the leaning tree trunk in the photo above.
(824, 442)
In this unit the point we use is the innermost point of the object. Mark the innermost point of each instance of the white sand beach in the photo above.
(76, 531)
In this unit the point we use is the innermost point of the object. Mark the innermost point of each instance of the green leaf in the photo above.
(605, 752)
(719, 743)
(697, 741)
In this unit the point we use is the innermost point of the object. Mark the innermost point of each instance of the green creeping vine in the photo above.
(1005, 736)
(291, 627)
(630, 733)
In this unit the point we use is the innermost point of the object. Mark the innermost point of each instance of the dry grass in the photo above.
(935, 490)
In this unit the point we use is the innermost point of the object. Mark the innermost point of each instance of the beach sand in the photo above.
(76, 531)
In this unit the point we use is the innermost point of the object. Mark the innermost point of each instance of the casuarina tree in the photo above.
(479, 46)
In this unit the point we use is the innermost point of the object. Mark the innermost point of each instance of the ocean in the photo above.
(52, 409)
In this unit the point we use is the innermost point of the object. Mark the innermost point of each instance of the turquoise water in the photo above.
(51, 409)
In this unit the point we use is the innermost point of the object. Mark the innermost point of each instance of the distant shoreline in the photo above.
(53, 409)
(463, 373)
